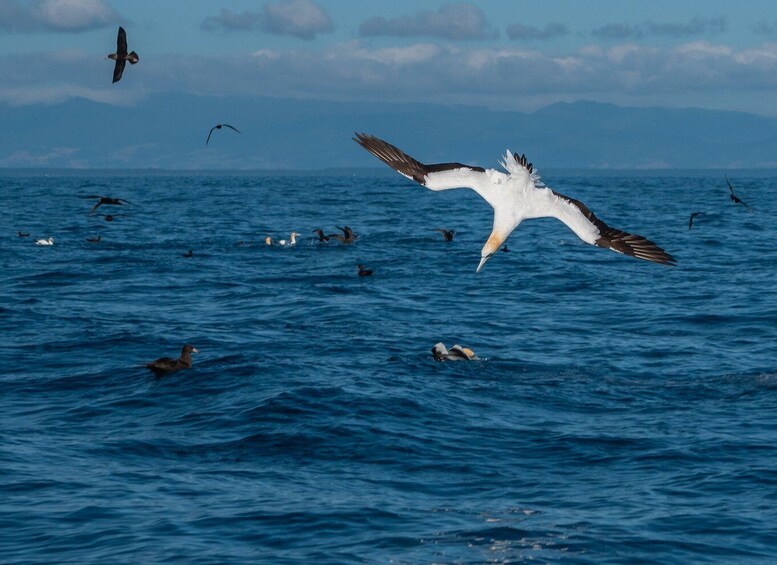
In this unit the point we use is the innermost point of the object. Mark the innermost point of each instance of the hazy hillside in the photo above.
(169, 131)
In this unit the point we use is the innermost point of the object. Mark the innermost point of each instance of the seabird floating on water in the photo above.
(347, 237)
(734, 198)
(121, 56)
(517, 196)
(693, 215)
(188, 254)
(321, 236)
(97, 239)
(447, 235)
(291, 242)
(456, 353)
(364, 272)
(110, 217)
(23, 234)
(165, 365)
(49, 241)
(219, 126)
(268, 241)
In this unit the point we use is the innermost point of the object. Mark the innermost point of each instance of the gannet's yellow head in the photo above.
(492, 246)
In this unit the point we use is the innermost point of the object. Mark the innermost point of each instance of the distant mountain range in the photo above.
(168, 132)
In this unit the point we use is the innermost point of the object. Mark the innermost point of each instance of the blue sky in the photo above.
(499, 54)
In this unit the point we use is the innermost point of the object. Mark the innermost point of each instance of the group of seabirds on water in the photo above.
(515, 194)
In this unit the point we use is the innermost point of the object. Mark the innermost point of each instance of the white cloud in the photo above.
(299, 18)
(450, 21)
(695, 73)
(522, 32)
(694, 27)
(55, 15)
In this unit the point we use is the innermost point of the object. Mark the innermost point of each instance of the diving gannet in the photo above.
(517, 196)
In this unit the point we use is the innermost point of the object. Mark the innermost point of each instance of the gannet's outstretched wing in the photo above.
(441, 176)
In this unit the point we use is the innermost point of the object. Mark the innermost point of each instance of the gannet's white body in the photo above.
(292, 240)
(49, 241)
(515, 196)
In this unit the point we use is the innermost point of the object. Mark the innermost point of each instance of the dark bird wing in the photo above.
(121, 42)
(423, 174)
(118, 69)
(95, 207)
(231, 127)
(621, 241)
(209, 134)
(734, 197)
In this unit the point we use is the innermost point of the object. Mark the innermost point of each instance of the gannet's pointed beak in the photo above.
(483, 262)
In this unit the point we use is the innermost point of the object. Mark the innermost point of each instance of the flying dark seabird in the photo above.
(121, 56)
(107, 200)
(219, 126)
(734, 198)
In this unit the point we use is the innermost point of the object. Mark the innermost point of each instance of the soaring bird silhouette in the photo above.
(734, 198)
(219, 126)
(516, 196)
(106, 200)
(121, 56)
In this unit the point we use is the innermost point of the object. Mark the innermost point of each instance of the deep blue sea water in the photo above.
(622, 411)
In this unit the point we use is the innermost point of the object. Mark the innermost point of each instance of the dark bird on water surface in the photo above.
(188, 254)
(734, 198)
(166, 365)
(516, 196)
(321, 236)
(219, 126)
(364, 272)
(110, 217)
(121, 56)
(23, 234)
(105, 200)
(347, 237)
(97, 239)
(447, 235)
(693, 215)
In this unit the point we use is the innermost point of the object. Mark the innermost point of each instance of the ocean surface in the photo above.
(621, 412)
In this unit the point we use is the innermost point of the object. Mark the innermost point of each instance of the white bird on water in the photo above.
(292, 240)
(49, 241)
(516, 196)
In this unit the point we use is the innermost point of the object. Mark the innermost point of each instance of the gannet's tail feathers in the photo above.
(440, 176)
(519, 165)
(618, 240)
